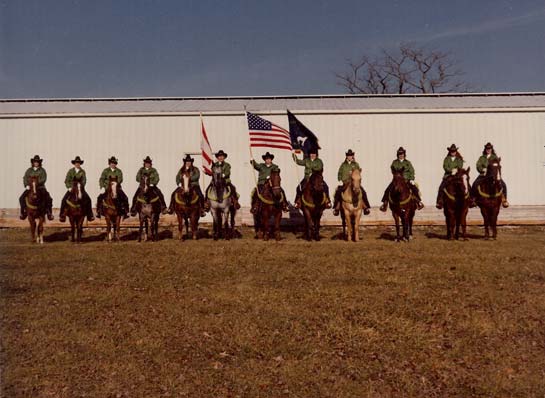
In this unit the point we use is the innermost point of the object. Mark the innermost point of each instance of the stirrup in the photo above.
(439, 205)
(384, 207)
(505, 204)
(367, 211)
(336, 211)
(420, 205)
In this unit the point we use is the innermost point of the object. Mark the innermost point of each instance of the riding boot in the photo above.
(62, 212)
(254, 208)
(285, 205)
(384, 206)
(49, 207)
(99, 206)
(419, 204)
(504, 201)
(22, 203)
(134, 199)
(234, 196)
(367, 210)
(439, 202)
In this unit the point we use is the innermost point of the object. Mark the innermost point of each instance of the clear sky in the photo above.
(132, 48)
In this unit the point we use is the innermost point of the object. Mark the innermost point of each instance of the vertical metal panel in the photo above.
(519, 138)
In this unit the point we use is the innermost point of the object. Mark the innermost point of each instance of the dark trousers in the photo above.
(86, 203)
(478, 180)
(339, 191)
(43, 192)
(154, 190)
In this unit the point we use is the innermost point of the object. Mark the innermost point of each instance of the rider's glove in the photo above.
(151, 185)
(454, 171)
(411, 182)
(27, 187)
(102, 190)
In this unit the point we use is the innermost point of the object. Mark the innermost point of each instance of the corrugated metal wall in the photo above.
(518, 137)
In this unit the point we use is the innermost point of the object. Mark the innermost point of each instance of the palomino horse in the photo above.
(352, 206)
(35, 203)
(112, 213)
(402, 205)
(221, 205)
(270, 201)
(313, 203)
(148, 207)
(75, 210)
(489, 197)
(456, 201)
(187, 206)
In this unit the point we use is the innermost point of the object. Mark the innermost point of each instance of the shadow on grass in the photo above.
(387, 236)
(58, 236)
(433, 235)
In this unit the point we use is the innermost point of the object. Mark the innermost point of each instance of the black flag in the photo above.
(301, 137)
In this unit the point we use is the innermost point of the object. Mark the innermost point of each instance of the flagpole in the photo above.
(250, 148)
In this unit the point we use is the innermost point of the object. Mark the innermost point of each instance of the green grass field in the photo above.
(245, 318)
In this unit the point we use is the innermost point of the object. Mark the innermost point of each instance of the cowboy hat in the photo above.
(221, 153)
(77, 160)
(113, 160)
(452, 148)
(147, 160)
(350, 152)
(488, 145)
(268, 156)
(188, 158)
(36, 158)
(401, 150)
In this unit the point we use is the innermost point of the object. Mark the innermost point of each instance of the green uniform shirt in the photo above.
(39, 172)
(345, 169)
(482, 163)
(75, 174)
(193, 179)
(408, 171)
(264, 171)
(107, 173)
(449, 164)
(310, 165)
(225, 170)
(151, 173)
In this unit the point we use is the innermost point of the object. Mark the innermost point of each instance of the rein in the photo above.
(267, 201)
(312, 205)
(181, 202)
(403, 202)
(73, 205)
(215, 199)
(486, 195)
(30, 206)
(141, 199)
(105, 204)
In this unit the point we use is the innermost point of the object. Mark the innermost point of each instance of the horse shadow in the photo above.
(434, 235)
(387, 236)
(58, 236)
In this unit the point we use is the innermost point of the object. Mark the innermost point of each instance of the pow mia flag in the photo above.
(302, 139)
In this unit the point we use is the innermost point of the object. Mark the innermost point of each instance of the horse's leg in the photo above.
(226, 228)
(180, 226)
(356, 225)
(41, 230)
(80, 229)
(32, 223)
(317, 218)
(485, 221)
(494, 222)
(349, 228)
(140, 227)
(277, 219)
(463, 222)
(117, 228)
(396, 219)
(195, 224)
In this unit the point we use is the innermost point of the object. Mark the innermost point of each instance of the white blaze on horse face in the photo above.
(466, 183)
(34, 186)
(79, 191)
(145, 184)
(185, 179)
(113, 186)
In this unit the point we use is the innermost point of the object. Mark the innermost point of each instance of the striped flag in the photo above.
(206, 151)
(266, 134)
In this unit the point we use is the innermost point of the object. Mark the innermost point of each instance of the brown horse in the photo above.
(112, 213)
(187, 206)
(36, 210)
(313, 203)
(456, 200)
(148, 207)
(75, 211)
(352, 206)
(402, 204)
(489, 197)
(270, 201)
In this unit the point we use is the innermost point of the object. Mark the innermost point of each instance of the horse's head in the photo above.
(397, 176)
(33, 183)
(144, 183)
(186, 181)
(274, 183)
(355, 180)
(218, 182)
(112, 186)
(77, 189)
(494, 169)
(316, 181)
(460, 181)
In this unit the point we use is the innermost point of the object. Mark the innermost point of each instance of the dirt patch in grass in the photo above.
(263, 319)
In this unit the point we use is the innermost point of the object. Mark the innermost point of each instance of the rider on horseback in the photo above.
(193, 181)
(153, 176)
(312, 163)
(226, 172)
(343, 176)
(122, 199)
(76, 173)
(408, 173)
(453, 161)
(265, 170)
(482, 164)
(39, 172)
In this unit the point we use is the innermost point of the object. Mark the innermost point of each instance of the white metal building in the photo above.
(374, 126)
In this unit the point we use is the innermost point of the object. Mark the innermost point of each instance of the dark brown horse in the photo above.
(148, 206)
(313, 203)
(187, 206)
(75, 210)
(489, 197)
(36, 211)
(402, 205)
(456, 200)
(270, 201)
(112, 213)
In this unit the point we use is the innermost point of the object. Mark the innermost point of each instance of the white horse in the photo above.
(221, 205)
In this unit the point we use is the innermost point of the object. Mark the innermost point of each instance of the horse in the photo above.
(75, 210)
(489, 197)
(270, 205)
(149, 210)
(402, 204)
(187, 206)
(36, 210)
(111, 212)
(456, 201)
(221, 205)
(352, 206)
(313, 203)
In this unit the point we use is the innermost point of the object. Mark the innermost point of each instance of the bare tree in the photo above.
(409, 70)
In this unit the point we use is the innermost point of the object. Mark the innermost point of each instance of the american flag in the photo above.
(266, 134)
(206, 151)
